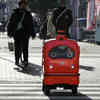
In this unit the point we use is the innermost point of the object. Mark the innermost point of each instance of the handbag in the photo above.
(11, 44)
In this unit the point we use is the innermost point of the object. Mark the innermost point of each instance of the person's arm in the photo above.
(10, 25)
(30, 25)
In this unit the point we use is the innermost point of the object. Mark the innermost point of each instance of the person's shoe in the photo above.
(22, 63)
(25, 65)
(17, 63)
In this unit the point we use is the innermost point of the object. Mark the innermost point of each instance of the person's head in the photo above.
(22, 4)
(62, 3)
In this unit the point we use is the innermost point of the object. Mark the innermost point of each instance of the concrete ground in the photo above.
(89, 62)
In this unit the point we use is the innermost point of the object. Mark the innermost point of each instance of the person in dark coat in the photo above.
(43, 29)
(62, 19)
(21, 32)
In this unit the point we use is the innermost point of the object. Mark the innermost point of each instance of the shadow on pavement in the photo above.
(68, 96)
(32, 69)
(88, 68)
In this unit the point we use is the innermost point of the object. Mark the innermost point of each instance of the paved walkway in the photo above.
(9, 71)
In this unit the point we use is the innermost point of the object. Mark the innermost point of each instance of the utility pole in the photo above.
(77, 23)
(75, 11)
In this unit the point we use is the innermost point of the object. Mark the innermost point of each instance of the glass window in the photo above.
(61, 52)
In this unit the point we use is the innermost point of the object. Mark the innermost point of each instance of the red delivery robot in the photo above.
(60, 64)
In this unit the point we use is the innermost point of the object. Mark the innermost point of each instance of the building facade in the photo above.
(79, 10)
(6, 8)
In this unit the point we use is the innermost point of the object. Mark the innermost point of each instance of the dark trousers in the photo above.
(21, 47)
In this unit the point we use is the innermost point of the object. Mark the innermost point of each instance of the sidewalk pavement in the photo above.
(10, 72)
(85, 47)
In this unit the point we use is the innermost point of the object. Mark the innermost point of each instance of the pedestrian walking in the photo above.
(21, 27)
(47, 29)
(62, 18)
